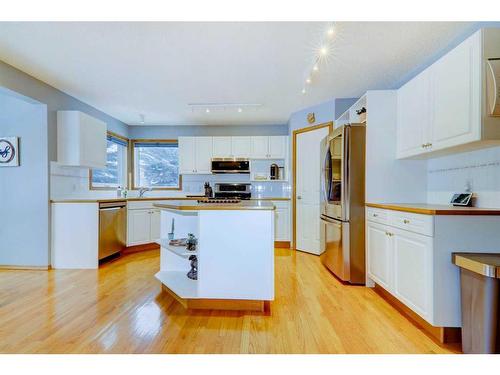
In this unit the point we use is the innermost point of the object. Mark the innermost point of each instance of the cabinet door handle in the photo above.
(375, 215)
(406, 221)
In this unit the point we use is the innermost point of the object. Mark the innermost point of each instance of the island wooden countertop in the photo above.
(194, 205)
(435, 209)
(132, 199)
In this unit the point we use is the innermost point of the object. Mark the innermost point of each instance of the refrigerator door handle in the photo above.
(345, 198)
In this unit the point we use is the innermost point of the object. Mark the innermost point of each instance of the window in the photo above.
(156, 164)
(115, 173)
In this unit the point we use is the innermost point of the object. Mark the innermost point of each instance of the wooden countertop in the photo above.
(131, 199)
(435, 209)
(193, 205)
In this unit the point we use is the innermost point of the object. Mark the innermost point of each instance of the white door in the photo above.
(187, 162)
(241, 147)
(308, 190)
(277, 147)
(455, 79)
(155, 225)
(413, 271)
(203, 155)
(260, 147)
(139, 228)
(379, 254)
(222, 147)
(414, 116)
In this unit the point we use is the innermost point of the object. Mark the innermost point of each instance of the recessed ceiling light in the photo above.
(315, 67)
(308, 80)
(323, 51)
(240, 110)
(207, 110)
(330, 31)
(303, 91)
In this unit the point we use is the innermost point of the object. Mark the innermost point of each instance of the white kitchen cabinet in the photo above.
(441, 110)
(222, 147)
(232, 147)
(155, 225)
(413, 116)
(187, 156)
(195, 155)
(203, 155)
(409, 255)
(81, 140)
(277, 147)
(139, 227)
(273, 147)
(241, 147)
(456, 96)
(282, 221)
(379, 257)
(412, 282)
(260, 147)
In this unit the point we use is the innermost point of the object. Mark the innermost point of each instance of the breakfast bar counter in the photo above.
(200, 205)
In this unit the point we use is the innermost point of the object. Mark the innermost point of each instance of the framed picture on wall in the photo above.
(9, 151)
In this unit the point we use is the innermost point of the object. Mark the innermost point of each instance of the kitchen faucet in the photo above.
(142, 190)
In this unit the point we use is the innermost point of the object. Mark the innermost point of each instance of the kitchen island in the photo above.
(234, 253)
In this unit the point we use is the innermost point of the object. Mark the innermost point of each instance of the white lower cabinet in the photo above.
(281, 221)
(412, 266)
(401, 261)
(143, 226)
(380, 254)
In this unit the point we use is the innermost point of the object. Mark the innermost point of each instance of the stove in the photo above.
(232, 191)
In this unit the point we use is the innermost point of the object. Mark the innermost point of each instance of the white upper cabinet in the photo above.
(232, 147)
(222, 147)
(203, 155)
(440, 110)
(269, 147)
(187, 157)
(195, 155)
(455, 80)
(260, 147)
(277, 147)
(241, 147)
(81, 140)
(414, 116)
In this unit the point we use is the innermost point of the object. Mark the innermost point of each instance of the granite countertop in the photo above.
(193, 205)
(130, 199)
(435, 209)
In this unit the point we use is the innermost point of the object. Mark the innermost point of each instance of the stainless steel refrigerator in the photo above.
(343, 202)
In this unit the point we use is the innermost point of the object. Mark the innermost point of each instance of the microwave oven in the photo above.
(230, 165)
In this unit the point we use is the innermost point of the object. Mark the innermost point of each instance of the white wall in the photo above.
(24, 190)
(450, 174)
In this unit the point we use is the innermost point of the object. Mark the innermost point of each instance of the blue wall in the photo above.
(55, 100)
(24, 190)
(173, 132)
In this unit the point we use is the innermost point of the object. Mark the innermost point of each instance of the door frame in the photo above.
(294, 172)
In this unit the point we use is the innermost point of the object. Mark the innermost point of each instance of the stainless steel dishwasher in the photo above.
(112, 228)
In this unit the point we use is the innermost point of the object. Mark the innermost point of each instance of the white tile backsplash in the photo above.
(450, 174)
(73, 182)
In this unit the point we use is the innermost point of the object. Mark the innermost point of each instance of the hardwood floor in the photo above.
(120, 309)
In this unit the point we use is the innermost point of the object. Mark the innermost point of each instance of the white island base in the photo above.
(235, 255)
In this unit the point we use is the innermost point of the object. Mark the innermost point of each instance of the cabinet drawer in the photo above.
(423, 224)
(377, 215)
